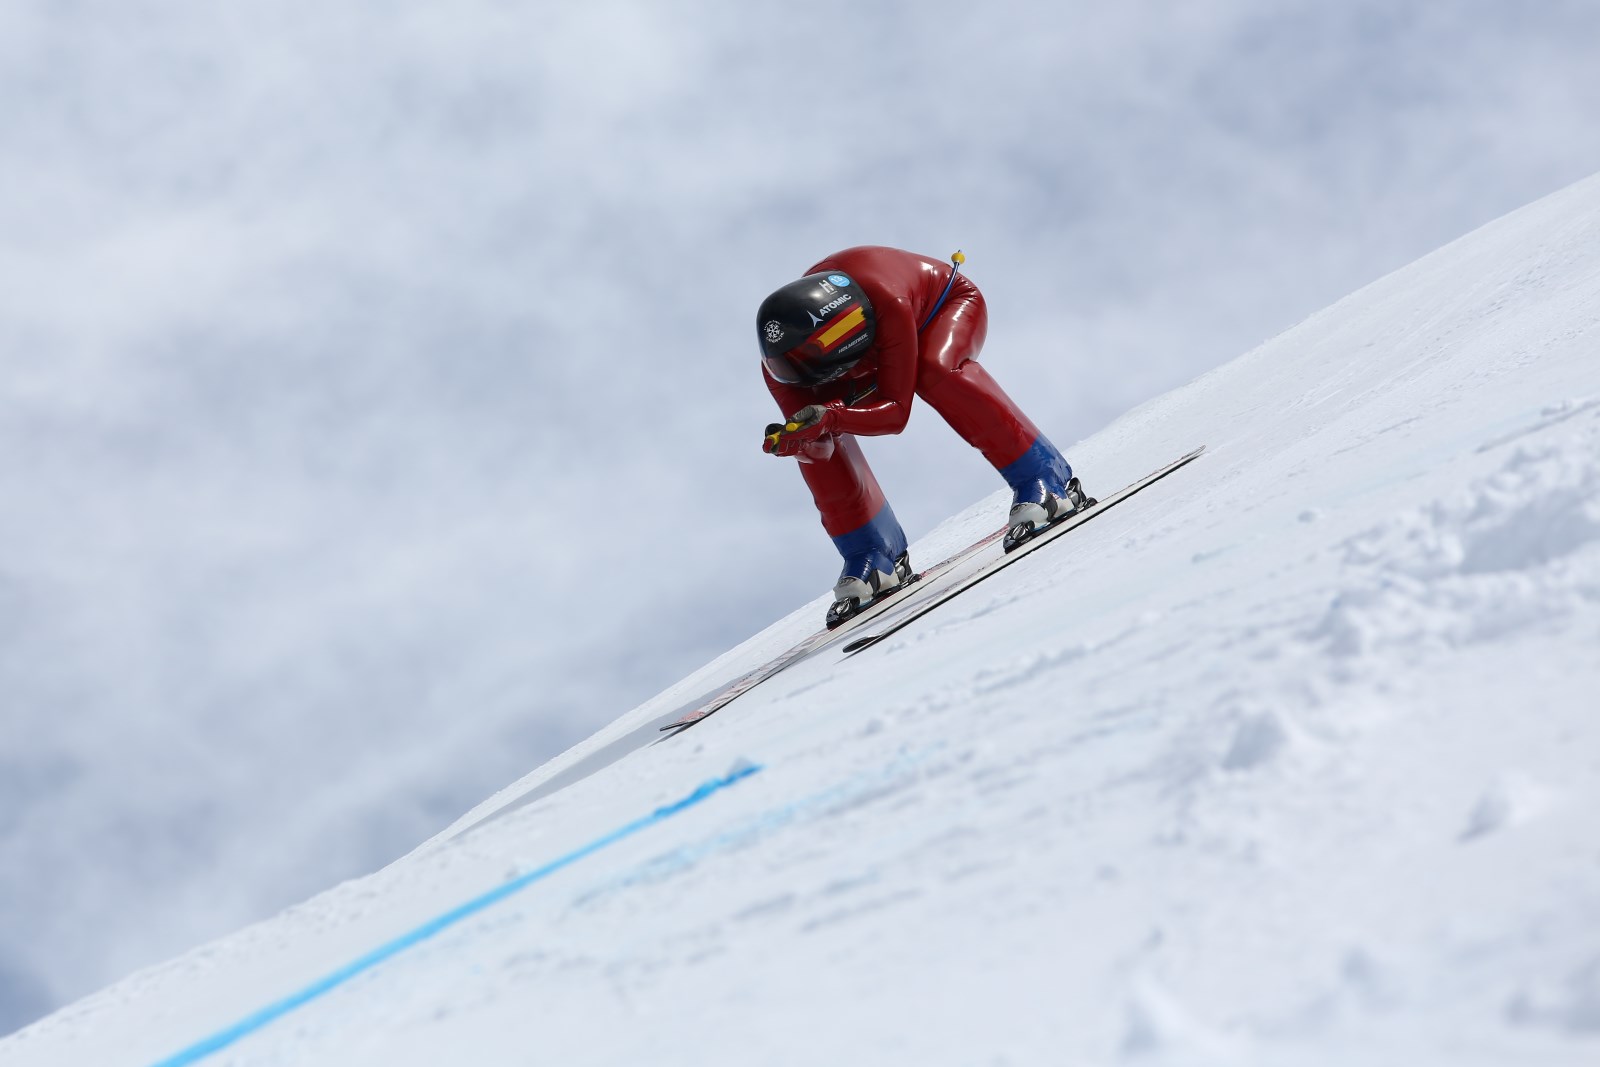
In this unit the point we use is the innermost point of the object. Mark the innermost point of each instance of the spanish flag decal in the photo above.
(828, 337)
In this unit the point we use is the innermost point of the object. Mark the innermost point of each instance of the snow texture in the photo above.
(1291, 759)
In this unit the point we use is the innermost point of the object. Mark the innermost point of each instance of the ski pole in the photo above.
(956, 259)
(807, 415)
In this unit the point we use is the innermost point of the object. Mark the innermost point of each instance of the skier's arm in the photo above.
(896, 343)
(790, 398)
(809, 443)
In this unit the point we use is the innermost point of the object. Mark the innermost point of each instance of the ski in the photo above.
(883, 608)
(1038, 540)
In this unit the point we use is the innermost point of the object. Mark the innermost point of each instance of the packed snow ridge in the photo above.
(1290, 759)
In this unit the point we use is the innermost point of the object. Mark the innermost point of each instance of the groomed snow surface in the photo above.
(1291, 759)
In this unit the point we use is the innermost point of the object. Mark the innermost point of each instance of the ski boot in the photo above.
(1028, 518)
(1044, 491)
(876, 564)
(854, 593)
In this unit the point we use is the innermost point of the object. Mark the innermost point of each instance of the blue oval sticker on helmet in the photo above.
(839, 280)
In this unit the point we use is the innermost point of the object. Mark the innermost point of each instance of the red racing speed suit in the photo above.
(938, 364)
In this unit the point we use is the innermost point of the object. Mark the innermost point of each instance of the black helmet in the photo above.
(815, 329)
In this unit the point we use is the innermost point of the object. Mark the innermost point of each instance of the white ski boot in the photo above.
(864, 584)
(1029, 517)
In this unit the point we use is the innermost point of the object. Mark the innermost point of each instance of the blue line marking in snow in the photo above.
(255, 1021)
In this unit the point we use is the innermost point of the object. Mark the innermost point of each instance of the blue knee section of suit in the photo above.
(874, 546)
(1041, 471)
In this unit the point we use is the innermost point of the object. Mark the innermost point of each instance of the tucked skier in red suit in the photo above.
(844, 351)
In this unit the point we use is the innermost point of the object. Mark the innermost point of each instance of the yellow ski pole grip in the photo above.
(806, 416)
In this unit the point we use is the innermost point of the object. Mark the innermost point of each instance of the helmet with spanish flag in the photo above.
(815, 329)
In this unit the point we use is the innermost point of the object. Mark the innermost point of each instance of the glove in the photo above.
(806, 425)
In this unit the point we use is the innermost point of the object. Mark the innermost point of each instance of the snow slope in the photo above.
(1291, 759)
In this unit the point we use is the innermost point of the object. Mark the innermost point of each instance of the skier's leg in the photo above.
(975, 406)
(955, 384)
(857, 517)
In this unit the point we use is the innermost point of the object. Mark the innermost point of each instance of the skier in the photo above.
(844, 349)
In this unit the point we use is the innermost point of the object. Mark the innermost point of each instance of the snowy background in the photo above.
(330, 337)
